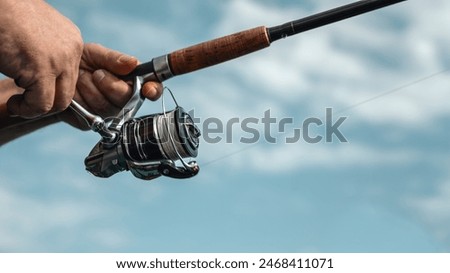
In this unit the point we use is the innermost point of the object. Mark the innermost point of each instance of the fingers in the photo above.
(115, 90)
(42, 54)
(96, 57)
(36, 100)
(99, 90)
(99, 59)
(47, 95)
(118, 92)
(152, 90)
(92, 97)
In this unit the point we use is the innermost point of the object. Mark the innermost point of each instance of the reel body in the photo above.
(148, 146)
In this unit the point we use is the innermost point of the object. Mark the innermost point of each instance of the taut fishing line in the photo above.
(350, 107)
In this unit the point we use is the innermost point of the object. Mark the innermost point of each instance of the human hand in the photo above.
(40, 50)
(99, 90)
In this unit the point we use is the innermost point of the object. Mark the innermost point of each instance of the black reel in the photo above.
(149, 147)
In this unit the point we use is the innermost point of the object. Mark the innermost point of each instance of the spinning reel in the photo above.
(148, 146)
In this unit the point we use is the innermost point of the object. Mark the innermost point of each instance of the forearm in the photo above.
(15, 127)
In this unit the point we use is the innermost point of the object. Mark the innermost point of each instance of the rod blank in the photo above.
(226, 48)
(327, 17)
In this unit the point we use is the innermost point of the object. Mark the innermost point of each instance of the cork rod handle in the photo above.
(218, 50)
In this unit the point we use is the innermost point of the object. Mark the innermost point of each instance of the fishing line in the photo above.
(348, 108)
(395, 90)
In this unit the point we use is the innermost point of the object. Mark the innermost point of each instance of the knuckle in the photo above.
(102, 79)
(79, 47)
(60, 106)
(40, 109)
(25, 79)
(77, 39)
(45, 108)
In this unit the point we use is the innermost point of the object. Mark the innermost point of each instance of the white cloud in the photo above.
(340, 65)
(292, 157)
(135, 36)
(23, 219)
(34, 223)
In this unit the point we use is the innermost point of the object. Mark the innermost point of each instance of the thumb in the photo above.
(125, 64)
(100, 57)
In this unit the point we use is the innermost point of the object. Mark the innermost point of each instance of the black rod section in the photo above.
(327, 17)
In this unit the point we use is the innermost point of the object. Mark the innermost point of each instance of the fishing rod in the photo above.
(150, 146)
(245, 42)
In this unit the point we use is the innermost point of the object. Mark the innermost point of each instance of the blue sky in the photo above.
(386, 190)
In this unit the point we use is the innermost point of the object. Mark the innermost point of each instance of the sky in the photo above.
(387, 189)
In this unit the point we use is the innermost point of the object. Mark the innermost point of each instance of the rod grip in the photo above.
(218, 50)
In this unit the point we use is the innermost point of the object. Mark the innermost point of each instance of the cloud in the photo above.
(289, 158)
(26, 221)
(343, 66)
(339, 66)
(31, 222)
(133, 35)
(351, 62)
